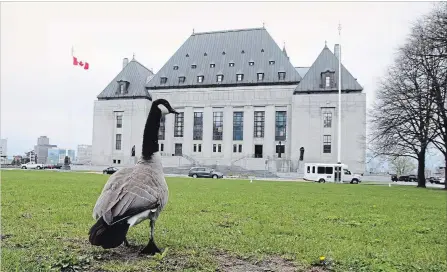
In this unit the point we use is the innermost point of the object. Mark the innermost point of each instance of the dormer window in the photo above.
(219, 78)
(242, 52)
(212, 65)
(200, 79)
(223, 53)
(175, 67)
(122, 87)
(281, 75)
(205, 54)
(231, 64)
(251, 63)
(327, 79)
(181, 79)
(260, 76)
(239, 77)
(193, 66)
(271, 62)
(163, 80)
(262, 50)
(187, 55)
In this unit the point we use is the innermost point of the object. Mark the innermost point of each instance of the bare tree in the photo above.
(402, 165)
(402, 116)
(431, 33)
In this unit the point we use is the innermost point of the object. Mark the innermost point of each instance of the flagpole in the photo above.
(339, 94)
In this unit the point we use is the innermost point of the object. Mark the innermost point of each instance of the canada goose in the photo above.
(133, 194)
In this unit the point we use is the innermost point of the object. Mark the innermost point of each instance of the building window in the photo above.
(163, 80)
(214, 148)
(212, 65)
(271, 62)
(119, 161)
(198, 126)
(280, 125)
(327, 144)
(240, 148)
(193, 66)
(197, 147)
(118, 142)
(260, 76)
(219, 148)
(217, 125)
(238, 126)
(205, 54)
(328, 82)
(187, 55)
(175, 67)
(231, 64)
(161, 131)
(251, 63)
(223, 53)
(200, 79)
(219, 78)
(162, 147)
(239, 77)
(114, 161)
(181, 79)
(178, 125)
(194, 149)
(327, 119)
(327, 79)
(259, 124)
(119, 121)
(281, 75)
(234, 148)
(122, 87)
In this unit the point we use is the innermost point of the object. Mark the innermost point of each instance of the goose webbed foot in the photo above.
(151, 248)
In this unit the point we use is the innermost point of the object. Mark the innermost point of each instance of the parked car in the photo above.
(109, 170)
(31, 165)
(204, 172)
(432, 180)
(394, 178)
(404, 178)
(412, 178)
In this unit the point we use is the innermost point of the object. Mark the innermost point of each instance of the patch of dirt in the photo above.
(6, 236)
(232, 264)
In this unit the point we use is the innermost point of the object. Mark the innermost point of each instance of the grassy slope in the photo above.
(366, 228)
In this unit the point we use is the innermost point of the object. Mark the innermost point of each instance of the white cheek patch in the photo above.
(163, 109)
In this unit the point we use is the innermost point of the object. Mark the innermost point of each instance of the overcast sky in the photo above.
(43, 94)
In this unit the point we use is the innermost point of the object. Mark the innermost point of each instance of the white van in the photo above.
(322, 172)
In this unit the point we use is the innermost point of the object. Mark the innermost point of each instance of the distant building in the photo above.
(41, 149)
(3, 150)
(57, 155)
(84, 154)
(241, 102)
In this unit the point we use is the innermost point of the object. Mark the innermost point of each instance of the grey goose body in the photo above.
(133, 194)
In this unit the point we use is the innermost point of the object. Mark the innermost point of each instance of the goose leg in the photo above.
(126, 243)
(151, 248)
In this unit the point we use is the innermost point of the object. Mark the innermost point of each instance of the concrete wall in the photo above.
(134, 112)
(308, 130)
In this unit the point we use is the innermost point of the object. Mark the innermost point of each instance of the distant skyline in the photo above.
(44, 94)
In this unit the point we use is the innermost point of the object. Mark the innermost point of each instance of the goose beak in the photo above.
(173, 111)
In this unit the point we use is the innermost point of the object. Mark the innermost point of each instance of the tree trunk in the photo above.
(421, 169)
(445, 171)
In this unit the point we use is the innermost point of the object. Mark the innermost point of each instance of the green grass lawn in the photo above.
(218, 224)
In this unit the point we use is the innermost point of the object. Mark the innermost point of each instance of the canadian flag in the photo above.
(80, 63)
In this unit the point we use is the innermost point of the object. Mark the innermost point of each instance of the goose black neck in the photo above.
(150, 136)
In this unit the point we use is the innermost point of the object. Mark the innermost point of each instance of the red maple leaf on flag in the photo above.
(80, 63)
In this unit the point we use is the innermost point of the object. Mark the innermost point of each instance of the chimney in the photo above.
(337, 50)
(125, 62)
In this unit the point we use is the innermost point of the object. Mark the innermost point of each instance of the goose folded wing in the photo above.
(130, 201)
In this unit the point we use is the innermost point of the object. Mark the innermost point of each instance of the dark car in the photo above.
(404, 178)
(394, 178)
(432, 180)
(109, 170)
(412, 178)
(204, 172)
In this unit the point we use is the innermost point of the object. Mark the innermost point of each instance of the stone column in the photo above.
(207, 147)
(249, 119)
(227, 133)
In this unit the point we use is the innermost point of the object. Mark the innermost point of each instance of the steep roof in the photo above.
(327, 61)
(222, 48)
(136, 75)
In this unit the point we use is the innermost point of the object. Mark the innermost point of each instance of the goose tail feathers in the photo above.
(108, 236)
